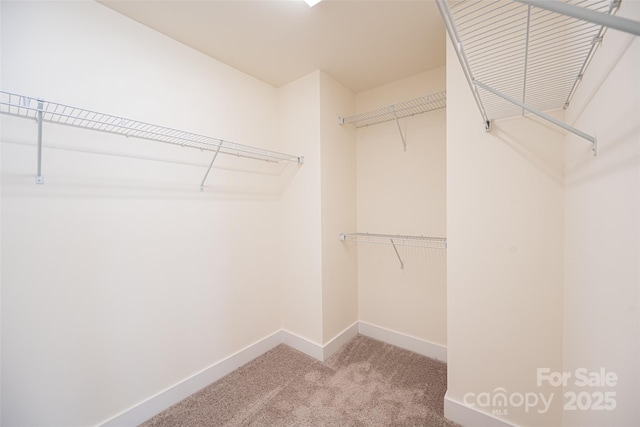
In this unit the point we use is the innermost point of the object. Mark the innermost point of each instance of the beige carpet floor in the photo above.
(365, 383)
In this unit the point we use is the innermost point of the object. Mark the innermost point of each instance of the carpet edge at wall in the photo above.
(172, 395)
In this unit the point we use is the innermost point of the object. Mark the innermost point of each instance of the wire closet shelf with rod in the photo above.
(396, 240)
(395, 112)
(50, 112)
(527, 56)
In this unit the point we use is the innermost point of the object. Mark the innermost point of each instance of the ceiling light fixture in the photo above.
(312, 3)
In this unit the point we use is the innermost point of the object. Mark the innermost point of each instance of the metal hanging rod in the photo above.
(44, 111)
(396, 240)
(604, 19)
(525, 55)
(412, 107)
(594, 142)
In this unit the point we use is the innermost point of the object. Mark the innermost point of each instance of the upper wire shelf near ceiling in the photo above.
(408, 108)
(51, 112)
(412, 107)
(528, 56)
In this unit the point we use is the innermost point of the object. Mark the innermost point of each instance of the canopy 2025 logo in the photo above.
(583, 400)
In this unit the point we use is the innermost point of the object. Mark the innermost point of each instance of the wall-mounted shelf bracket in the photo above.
(594, 146)
(404, 143)
(210, 166)
(39, 177)
(397, 254)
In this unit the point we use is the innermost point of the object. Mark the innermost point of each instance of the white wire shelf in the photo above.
(396, 240)
(412, 107)
(423, 104)
(527, 56)
(51, 112)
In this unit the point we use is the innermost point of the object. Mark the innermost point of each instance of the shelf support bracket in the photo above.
(593, 140)
(443, 7)
(39, 177)
(397, 254)
(210, 166)
(404, 143)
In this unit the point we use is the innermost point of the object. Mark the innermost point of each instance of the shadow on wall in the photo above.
(545, 154)
(417, 259)
(613, 157)
(103, 167)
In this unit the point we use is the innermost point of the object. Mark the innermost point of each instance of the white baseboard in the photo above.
(304, 345)
(174, 394)
(417, 345)
(339, 340)
(317, 351)
(466, 416)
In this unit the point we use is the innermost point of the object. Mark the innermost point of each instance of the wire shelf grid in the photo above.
(530, 54)
(397, 240)
(27, 107)
(412, 107)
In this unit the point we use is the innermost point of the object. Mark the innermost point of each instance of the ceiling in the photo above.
(362, 44)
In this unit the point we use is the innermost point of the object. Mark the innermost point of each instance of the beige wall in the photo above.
(338, 171)
(403, 193)
(133, 265)
(341, 176)
(300, 238)
(319, 288)
(119, 277)
(505, 254)
(602, 230)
